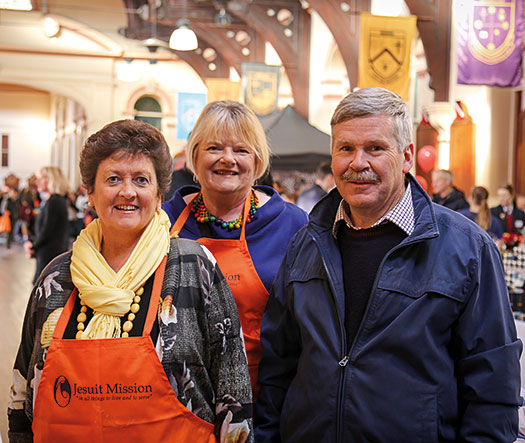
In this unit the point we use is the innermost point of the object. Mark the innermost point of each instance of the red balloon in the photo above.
(422, 182)
(426, 157)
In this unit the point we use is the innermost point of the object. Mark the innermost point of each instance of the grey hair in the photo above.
(446, 174)
(372, 101)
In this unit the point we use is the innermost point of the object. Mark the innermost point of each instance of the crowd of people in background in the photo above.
(45, 217)
(503, 222)
(24, 205)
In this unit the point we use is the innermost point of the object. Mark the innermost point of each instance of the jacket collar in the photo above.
(323, 214)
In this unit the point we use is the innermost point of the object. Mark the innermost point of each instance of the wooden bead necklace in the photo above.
(202, 215)
(128, 324)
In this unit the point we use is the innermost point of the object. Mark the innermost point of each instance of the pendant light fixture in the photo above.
(183, 38)
(50, 26)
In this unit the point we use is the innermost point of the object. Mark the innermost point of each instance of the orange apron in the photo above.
(249, 291)
(103, 390)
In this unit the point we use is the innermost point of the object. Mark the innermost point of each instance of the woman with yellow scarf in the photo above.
(131, 334)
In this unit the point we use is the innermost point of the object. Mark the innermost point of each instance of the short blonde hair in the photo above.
(56, 181)
(229, 118)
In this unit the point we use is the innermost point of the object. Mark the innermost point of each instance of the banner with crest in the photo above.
(261, 87)
(384, 52)
(489, 42)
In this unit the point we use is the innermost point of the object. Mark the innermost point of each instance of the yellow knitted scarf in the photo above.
(111, 293)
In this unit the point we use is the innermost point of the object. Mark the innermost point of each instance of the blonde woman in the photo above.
(247, 228)
(51, 224)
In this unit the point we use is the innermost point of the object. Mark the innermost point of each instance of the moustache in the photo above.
(365, 177)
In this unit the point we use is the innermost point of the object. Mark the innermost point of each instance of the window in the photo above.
(5, 150)
(148, 110)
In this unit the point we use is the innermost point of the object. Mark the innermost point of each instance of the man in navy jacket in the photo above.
(389, 319)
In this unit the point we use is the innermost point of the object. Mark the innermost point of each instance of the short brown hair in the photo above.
(132, 137)
(230, 118)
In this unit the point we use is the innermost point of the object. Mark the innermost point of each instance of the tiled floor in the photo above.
(16, 273)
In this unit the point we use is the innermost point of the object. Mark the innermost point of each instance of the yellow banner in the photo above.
(384, 52)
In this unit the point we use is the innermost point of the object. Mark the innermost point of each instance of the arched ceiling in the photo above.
(237, 30)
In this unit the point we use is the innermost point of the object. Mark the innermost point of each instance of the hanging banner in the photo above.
(384, 52)
(489, 42)
(261, 87)
(189, 107)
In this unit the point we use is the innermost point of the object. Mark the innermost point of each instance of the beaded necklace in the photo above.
(202, 215)
(127, 326)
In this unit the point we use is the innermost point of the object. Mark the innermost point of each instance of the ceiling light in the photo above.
(51, 27)
(345, 7)
(183, 38)
(153, 44)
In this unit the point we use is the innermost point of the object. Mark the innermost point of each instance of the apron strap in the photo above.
(181, 221)
(66, 314)
(150, 317)
(155, 297)
(245, 213)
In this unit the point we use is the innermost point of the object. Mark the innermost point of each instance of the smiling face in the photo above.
(368, 167)
(125, 195)
(226, 165)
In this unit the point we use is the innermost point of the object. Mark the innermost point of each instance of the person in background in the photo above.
(511, 218)
(25, 216)
(130, 335)
(9, 203)
(323, 183)
(246, 227)
(479, 213)
(82, 206)
(51, 224)
(180, 176)
(389, 319)
(520, 202)
(446, 194)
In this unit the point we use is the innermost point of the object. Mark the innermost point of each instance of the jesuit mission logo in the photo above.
(492, 30)
(64, 391)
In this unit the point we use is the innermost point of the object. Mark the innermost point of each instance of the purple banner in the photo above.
(489, 42)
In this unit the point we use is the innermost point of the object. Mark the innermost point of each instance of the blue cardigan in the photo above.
(267, 236)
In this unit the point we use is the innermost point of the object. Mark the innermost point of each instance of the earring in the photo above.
(195, 179)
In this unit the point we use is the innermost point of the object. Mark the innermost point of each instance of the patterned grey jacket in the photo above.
(199, 342)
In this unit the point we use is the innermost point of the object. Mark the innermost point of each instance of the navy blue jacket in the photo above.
(436, 357)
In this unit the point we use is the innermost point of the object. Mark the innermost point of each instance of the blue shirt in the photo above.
(267, 236)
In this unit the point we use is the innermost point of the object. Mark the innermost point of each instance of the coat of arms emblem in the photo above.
(491, 30)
